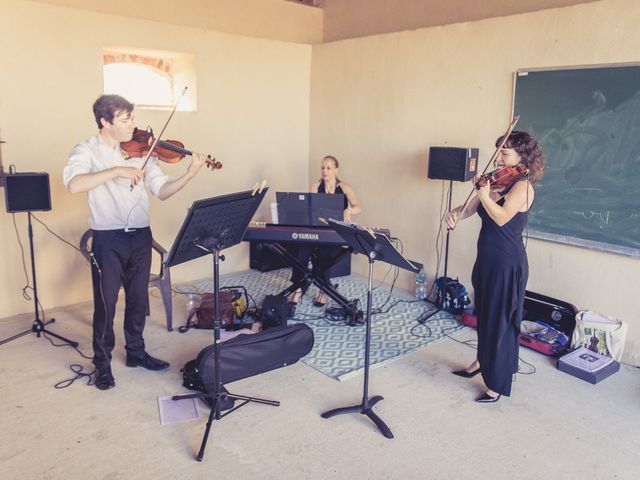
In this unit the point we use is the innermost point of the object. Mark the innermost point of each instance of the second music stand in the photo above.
(211, 226)
(376, 247)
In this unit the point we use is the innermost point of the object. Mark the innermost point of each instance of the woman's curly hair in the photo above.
(530, 151)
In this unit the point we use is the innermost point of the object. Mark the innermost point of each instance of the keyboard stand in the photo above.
(355, 314)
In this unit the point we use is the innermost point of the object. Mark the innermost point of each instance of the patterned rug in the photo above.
(338, 350)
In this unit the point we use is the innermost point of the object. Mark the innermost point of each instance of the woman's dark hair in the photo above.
(106, 106)
(530, 151)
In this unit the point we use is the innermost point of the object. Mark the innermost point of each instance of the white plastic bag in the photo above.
(599, 333)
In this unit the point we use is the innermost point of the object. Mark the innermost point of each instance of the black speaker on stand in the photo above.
(451, 163)
(29, 192)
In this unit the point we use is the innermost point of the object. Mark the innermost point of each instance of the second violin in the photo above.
(168, 151)
(502, 178)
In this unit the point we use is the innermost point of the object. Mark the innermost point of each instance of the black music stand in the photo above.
(376, 246)
(212, 225)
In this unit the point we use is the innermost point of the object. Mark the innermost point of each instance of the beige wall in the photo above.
(379, 102)
(253, 115)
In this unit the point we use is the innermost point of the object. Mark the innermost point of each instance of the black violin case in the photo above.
(248, 355)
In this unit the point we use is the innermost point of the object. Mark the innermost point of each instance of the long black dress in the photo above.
(499, 280)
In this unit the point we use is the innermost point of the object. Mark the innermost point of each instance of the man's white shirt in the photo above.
(113, 204)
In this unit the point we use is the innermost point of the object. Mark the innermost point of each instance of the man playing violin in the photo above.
(122, 241)
(501, 269)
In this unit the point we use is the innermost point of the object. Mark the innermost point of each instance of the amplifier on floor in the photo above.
(276, 310)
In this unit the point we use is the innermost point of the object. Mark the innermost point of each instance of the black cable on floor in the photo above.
(379, 311)
(78, 370)
(474, 344)
(335, 315)
(423, 321)
(75, 368)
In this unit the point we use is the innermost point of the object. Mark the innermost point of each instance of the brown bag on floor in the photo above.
(205, 313)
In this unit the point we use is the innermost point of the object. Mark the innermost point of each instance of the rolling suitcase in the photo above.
(553, 324)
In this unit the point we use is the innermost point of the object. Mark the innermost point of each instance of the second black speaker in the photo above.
(27, 192)
(452, 163)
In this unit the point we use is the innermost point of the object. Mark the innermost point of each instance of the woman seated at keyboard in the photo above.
(329, 183)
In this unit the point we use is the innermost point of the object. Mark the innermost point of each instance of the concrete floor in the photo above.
(553, 426)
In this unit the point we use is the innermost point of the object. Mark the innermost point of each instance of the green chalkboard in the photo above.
(588, 121)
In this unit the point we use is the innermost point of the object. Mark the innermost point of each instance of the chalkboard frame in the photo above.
(556, 237)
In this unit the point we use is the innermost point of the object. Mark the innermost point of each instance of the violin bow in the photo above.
(505, 137)
(155, 141)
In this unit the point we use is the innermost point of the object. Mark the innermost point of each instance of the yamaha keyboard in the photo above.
(292, 234)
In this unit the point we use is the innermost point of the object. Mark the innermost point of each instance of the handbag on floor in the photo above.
(600, 333)
(233, 304)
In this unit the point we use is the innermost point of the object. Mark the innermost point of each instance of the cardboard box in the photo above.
(587, 365)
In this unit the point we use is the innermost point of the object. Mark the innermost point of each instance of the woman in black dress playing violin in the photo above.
(328, 183)
(501, 269)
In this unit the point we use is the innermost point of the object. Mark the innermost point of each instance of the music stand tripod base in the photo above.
(365, 408)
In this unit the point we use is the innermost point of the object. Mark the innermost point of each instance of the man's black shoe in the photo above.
(146, 361)
(104, 379)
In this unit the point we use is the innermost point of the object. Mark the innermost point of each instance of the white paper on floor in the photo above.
(174, 411)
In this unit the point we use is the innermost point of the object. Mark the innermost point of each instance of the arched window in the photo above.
(147, 80)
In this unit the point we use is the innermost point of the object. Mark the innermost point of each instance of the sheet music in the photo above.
(381, 243)
(173, 411)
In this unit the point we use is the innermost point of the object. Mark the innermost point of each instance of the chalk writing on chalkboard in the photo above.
(588, 121)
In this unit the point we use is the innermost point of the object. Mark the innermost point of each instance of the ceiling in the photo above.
(357, 18)
(314, 21)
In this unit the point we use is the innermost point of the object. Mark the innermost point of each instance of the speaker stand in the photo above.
(38, 325)
(446, 255)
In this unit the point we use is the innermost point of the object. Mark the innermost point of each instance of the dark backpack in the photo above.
(451, 295)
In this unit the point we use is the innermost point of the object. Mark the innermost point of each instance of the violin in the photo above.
(168, 151)
(493, 159)
(502, 178)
